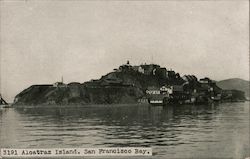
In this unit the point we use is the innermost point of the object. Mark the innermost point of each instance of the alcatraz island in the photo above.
(145, 83)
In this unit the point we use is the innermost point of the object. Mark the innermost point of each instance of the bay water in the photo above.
(176, 131)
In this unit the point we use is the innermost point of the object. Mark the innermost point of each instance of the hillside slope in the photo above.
(124, 86)
(76, 94)
(235, 83)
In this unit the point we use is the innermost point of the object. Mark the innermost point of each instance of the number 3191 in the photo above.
(9, 152)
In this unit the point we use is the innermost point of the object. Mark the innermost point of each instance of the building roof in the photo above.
(177, 88)
(189, 78)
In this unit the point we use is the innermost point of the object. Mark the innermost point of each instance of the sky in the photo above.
(41, 41)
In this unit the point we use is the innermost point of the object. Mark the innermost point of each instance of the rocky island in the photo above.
(130, 84)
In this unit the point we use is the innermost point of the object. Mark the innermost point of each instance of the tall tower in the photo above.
(127, 62)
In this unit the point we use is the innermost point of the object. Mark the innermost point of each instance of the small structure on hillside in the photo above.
(150, 69)
(60, 84)
(125, 67)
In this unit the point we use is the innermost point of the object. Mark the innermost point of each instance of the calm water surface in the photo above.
(215, 131)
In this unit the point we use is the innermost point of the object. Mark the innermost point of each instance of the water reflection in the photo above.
(121, 115)
(171, 131)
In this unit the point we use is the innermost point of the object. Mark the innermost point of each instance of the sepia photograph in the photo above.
(139, 79)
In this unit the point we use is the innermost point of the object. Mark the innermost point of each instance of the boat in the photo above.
(158, 100)
(3, 103)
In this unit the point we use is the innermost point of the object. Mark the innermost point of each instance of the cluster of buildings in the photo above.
(148, 69)
(156, 85)
(191, 90)
(176, 89)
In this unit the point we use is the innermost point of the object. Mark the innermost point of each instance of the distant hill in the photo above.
(235, 83)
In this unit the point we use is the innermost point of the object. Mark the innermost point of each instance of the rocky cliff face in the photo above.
(49, 95)
(95, 92)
